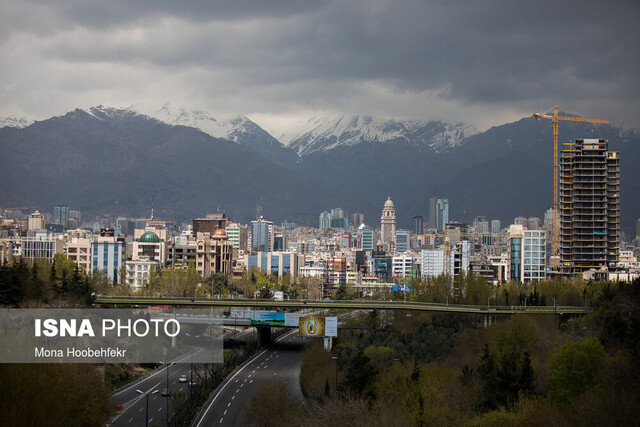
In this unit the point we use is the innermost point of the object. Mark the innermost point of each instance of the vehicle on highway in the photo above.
(165, 392)
(182, 379)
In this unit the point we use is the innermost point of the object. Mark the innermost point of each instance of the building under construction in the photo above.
(589, 206)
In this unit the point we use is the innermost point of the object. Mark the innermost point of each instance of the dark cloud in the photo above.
(262, 56)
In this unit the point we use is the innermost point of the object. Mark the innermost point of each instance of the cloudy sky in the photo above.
(481, 62)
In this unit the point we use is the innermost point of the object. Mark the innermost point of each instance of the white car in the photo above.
(182, 379)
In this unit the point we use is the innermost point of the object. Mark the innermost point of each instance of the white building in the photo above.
(527, 254)
(138, 272)
(41, 244)
(432, 262)
(388, 222)
(402, 265)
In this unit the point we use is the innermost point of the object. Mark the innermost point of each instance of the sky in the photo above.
(483, 63)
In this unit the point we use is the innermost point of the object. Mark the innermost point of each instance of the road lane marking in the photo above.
(225, 384)
(225, 412)
(229, 404)
(265, 366)
(159, 409)
(250, 381)
(131, 420)
(237, 390)
(140, 409)
(233, 397)
(150, 419)
(220, 420)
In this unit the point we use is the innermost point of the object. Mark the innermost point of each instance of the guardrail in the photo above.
(345, 304)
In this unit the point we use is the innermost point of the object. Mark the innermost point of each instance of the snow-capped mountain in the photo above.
(323, 134)
(15, 122)
(240, 130)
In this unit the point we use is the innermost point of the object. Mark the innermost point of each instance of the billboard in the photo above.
(268, 318)
(318, 326)
(293, 319)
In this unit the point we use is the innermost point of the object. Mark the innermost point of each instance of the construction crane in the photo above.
(556, 166)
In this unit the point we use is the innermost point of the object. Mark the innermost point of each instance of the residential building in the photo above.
(432, 262)
(402, 265)
(589, 206)
(237, 235)
(41, 244)
(78, 250)
(137, 272)
(108, 256)
(214, 253)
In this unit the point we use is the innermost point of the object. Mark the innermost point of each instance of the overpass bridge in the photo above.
(343, 304)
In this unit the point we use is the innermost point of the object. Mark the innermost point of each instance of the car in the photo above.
(193, 383)
(182, 379)
(165, 392)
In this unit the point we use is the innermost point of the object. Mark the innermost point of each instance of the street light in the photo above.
(146, 418)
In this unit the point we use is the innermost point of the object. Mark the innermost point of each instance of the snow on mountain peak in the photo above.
(323, 134)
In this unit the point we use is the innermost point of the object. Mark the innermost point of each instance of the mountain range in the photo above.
(115, 161)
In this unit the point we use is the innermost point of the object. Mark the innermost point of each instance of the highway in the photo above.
(344, 304)
(279, 362)
(134, 404)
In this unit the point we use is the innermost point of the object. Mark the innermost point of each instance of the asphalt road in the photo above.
(279, 362)
(135, 404)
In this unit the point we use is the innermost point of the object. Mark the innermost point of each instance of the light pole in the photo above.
(146, 418)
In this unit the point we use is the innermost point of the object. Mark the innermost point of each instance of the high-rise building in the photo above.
(589, 206)
(324, 220)
(357, 219)
(495, 226)
(533, 223)
(36, 221)
(438, 213)
(388, 222)
(261, 235)
(61, 215)
(418, 225)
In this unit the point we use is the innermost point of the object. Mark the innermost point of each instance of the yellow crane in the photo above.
(556, 166)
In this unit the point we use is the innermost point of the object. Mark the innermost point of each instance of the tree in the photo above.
(574, 369)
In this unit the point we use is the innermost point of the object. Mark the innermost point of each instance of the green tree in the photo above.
(574, 369)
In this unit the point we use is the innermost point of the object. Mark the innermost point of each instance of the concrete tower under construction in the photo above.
(589, 206)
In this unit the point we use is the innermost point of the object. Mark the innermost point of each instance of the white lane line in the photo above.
(253, 372)
(228, 404)
(220, 391)
(233, 397)
(225, 412)
(237, 380)
(237, 390)
(150, 419)
(159, 409)
(131, 420)
(265, 366)
(221, 420)
(241, 385)
(250, 381)
(249, 376)
(140, 409)
(245, 380)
